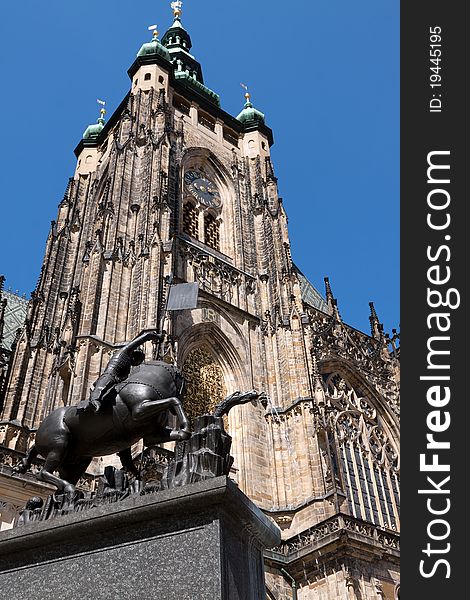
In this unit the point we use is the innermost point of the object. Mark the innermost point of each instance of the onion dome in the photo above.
(93, 131)
(250, 116)
(154, 47)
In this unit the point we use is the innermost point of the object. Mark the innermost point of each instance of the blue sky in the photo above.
(324, 72)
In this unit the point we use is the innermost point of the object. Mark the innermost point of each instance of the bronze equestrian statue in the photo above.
(130, 406)
(119, 367)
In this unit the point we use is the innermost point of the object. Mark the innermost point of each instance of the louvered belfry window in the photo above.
(211, 232)
(190, 220)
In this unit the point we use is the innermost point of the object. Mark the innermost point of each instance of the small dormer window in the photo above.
(147, 76)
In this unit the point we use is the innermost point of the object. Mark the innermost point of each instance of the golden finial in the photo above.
(177, 6)
(247, 94)
(155, 32)
(102, 109)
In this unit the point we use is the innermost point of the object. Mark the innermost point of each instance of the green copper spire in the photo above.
(250, 116)
(178, 42)
(187, 70)
(177, 38)
(93, 131)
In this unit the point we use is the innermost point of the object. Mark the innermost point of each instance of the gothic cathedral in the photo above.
(173, 189)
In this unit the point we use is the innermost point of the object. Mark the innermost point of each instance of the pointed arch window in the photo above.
(211, 231)
(190, 220)
(365, 461)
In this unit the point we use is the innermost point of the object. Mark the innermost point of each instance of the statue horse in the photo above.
(69, 439)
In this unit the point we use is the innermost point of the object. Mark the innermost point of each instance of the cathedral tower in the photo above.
(174, 189)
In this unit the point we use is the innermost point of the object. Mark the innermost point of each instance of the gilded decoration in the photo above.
(205, 386)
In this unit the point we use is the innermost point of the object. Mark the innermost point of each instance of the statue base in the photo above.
(203, 541)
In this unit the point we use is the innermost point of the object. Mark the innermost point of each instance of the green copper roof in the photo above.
(187, 70)
(93, 131)
(250, 116)
(310, 295)
(177, 37)
(185, 77)
(154, 47)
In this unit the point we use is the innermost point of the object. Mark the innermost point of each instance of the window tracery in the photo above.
(368, 461)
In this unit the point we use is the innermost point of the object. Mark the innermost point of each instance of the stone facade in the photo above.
(322, 458)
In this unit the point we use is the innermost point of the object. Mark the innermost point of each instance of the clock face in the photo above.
(203, 189)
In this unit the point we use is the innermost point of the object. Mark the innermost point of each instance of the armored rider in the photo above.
(118, 369)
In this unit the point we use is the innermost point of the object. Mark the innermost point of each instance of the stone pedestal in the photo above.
(203, 541)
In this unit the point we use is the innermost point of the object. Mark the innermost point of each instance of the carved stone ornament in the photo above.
(332, 339)
(214, 275)
(353, 419)
(339, 525)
